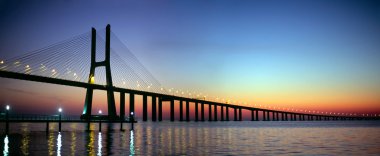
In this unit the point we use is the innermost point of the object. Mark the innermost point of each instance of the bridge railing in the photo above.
(37, 117)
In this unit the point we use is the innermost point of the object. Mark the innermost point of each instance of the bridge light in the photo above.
(100, 111)
(7, 107)
(60, 110)
(1, 62)
(132, 113)
(53, 70)
(92, 79)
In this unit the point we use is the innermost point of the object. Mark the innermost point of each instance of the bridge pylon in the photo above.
(106, 63)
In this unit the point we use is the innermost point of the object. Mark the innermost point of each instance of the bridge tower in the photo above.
(106, 63)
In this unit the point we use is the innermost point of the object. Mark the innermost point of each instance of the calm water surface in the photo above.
(191, 138)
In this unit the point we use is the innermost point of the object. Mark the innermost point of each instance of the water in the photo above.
(191, 138)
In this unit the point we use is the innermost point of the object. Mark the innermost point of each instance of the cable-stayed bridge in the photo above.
(90, 61)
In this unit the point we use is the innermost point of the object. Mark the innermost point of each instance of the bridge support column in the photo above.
(172, 110)
(202, 111)
(227, 114)
(215, 113)
(240, 115)
(268, 117)
(187, 111)
(273, 116)
(122, 106)
(252, 115)
(277, 117)
(209, 112)
(145, 108)
(180, 110)
(132, 107)
(154, 111)
(257, 114)
(221, 113)
(122, 109)
(196, 111)
(264, 116)
(282, 117)
(235, 114)
(160, 109)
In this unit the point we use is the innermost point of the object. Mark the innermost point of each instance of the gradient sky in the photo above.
(318, 55)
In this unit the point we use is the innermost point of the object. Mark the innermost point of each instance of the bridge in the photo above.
(55, 65)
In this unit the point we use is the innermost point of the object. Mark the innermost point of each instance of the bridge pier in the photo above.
(215, 113)
(277, 116)
(252, 115)
(273, 116)
(221, 113)
(235, 114)
(282, 116)
(202, 111)
(268, 117)
(187, 111)
(264, 116)
(160, 109)
(154, 111)
(240, 115)
(122, 106)
(145, 108)
(196, 111)
(257, 114)
(209, 112)
(172, 110)
(227, 114)
(180, 110)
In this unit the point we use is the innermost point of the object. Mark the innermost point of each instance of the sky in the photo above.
(312, 55)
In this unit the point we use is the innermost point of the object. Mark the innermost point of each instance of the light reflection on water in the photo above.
(6, 141)
(59, 144)
(131, 144)
(203, 138)
(100, 143)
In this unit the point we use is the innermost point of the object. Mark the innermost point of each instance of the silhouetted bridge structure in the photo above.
(145, 85)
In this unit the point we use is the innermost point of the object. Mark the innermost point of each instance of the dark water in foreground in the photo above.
(202, 138)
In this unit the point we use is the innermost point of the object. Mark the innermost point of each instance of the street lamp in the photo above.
(7, 118)
(132, 119)
(100, 120)
(60, 117)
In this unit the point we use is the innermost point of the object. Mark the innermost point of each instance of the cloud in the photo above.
(21, 91)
